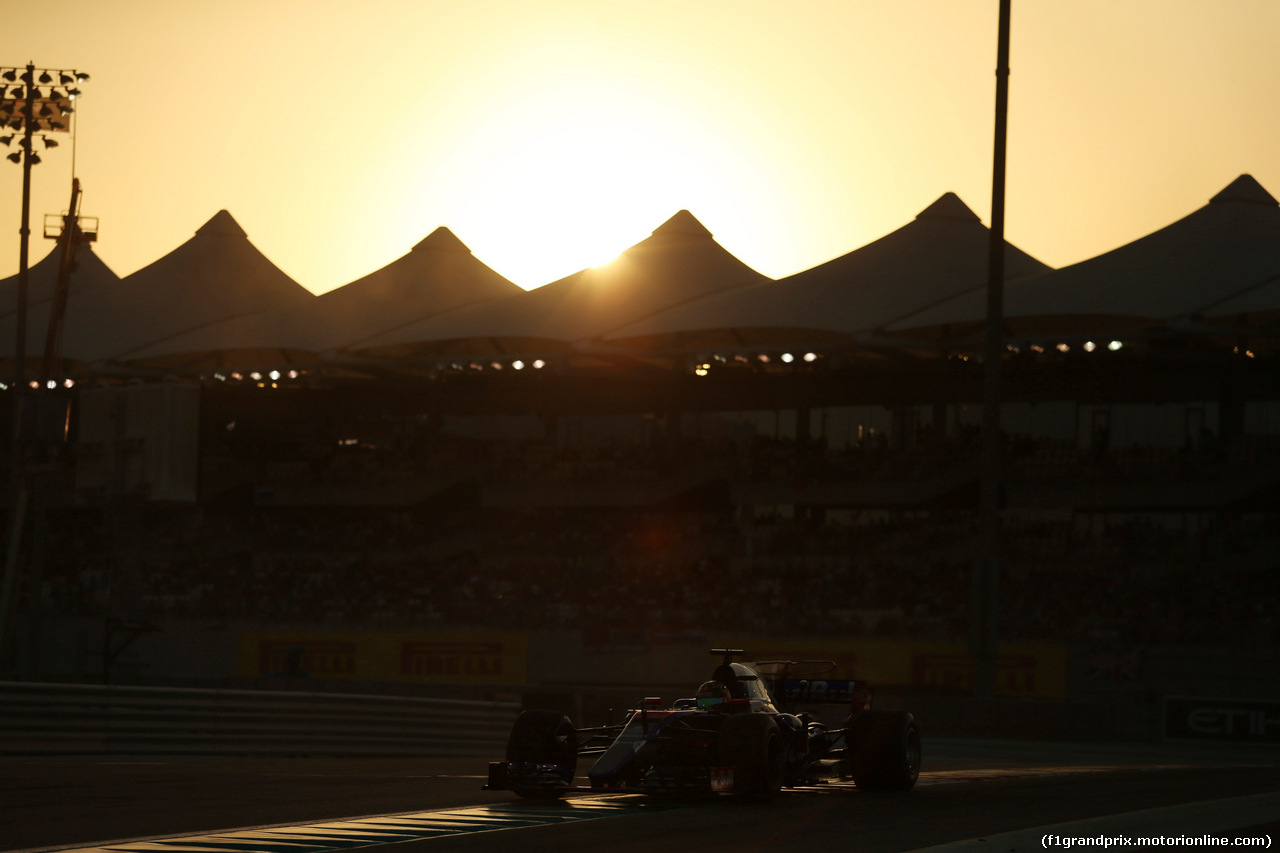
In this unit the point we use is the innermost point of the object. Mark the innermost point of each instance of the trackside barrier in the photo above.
(77, 719)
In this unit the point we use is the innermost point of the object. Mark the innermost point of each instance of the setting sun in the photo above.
(598, 167)
(572, 144)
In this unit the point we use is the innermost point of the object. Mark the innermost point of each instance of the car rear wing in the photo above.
(800, 682)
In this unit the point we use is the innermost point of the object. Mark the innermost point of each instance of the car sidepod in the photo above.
(659, 752)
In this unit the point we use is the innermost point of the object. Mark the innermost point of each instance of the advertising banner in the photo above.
(427, 657)
(1224, 720)
(1022, 669)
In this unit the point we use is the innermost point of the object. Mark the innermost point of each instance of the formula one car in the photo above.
(743, 734)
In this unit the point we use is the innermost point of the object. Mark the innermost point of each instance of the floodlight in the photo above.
(16, 156)
(1114, 346)
(17, 93)
(1090, 346)
(46, 77)
(10, 75)
(1064, 347)
(32, 157)
(811, 356)
(518, 364)
(275, 375)
(49, 143)
(7, 139)
(788, 357)
(80, 75)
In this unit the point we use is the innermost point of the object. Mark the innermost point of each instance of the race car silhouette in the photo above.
(744, 733)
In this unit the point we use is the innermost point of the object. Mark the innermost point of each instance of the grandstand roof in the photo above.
(439, 275)
(216, 274)
(679, 262)
(90, 274)
(943, 252)
(1223, 259)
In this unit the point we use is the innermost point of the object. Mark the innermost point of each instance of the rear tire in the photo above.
(543, 737)
(884, 750)
(752, 745)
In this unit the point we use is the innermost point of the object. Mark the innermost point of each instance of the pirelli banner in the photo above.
(444, 657)
(1022, 669)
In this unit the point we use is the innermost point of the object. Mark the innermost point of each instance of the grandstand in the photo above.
(671, 444)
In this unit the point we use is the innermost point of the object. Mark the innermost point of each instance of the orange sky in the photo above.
(550, 136)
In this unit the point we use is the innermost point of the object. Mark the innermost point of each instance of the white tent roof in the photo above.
(90, 274)
(1220, 260)
(216, 274)
(941, 253)
(439, 275)
(679, 262)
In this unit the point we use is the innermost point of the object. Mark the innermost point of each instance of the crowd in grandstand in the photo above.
(1154, 577)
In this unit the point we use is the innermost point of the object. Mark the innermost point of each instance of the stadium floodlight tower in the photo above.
(32, 101)
(41, 102)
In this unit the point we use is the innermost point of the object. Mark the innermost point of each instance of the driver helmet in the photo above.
(712, 693)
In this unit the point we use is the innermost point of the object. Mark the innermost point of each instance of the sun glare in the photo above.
(566, 173)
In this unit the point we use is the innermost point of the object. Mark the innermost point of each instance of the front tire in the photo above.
(884, 750)
(751, 744)
(540, 738)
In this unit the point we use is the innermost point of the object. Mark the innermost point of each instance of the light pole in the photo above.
(985, 619)
(31, 100)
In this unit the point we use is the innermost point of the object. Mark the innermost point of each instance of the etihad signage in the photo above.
(1215, 719)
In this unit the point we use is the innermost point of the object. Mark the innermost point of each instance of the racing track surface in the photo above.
(969, 789)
